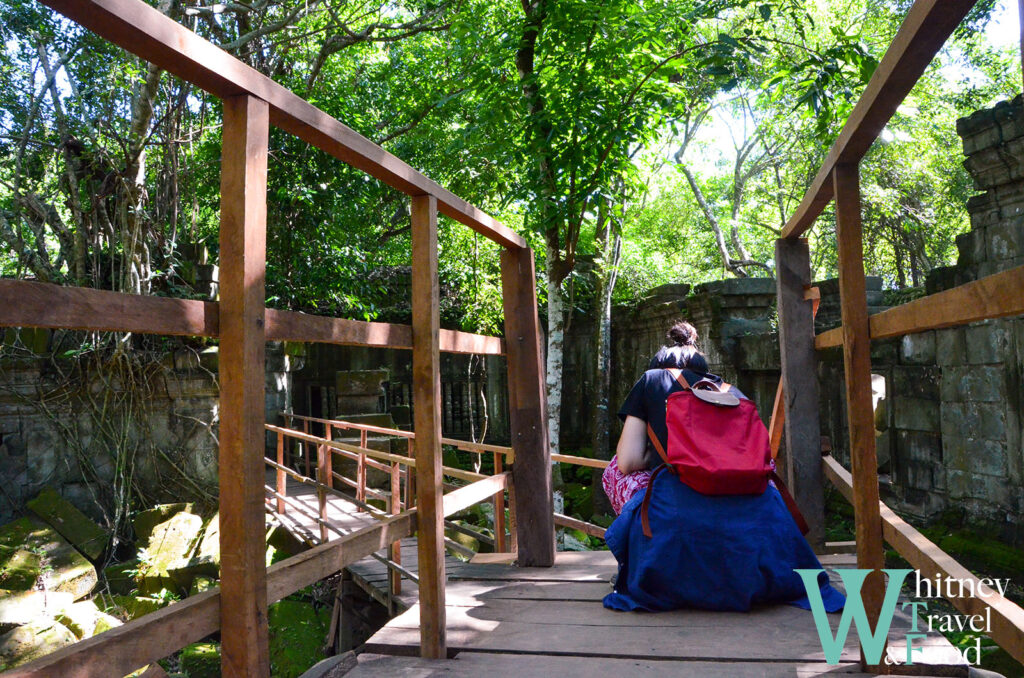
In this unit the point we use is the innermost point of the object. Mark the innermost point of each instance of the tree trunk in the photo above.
(601, 435)
(555, 362)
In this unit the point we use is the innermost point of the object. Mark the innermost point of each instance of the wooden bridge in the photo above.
(475, 622)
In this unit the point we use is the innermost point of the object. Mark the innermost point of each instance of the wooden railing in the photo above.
(925, 30)
(243, 324)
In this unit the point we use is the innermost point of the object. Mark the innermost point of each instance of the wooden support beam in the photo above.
(531, 473)
(479, 491)
(244, 646)
(293, 326)
(426, 387)
(144, 31)
(928, 25)
(859, 407)
(994, 296)
(120, 651)
(800, 384)
(1007, 617)
(33, 304)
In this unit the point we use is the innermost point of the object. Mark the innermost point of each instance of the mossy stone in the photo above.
(297, 636)
(168, 548)
(131, 607)
(80, 618)
(105, 622)
(201, 660)
(121, 577)
(64, 569)
(144, 521)
(19, 568)
(72, 524)
(206, 559)
(284, 541)
(22, 607)
(31, 641)
(202, 584)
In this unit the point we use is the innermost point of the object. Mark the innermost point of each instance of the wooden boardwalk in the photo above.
(524, 622)
(504, 620)
(369, 574)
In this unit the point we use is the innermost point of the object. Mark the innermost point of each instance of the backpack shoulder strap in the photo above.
(645, 523)
(657, 444)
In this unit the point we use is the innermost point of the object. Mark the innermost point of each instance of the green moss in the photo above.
(64, 569)
(72, 524)
(19, 568)
(201, 660)
(987, 553)
(120, 577)
(144, 521)
(297, 636)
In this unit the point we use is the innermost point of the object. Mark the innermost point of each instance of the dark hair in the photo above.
(681, 351)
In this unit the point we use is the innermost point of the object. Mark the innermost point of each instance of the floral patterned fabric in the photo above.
(620, 487)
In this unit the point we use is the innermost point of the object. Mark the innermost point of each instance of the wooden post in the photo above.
(322, 469)
(396, 508)
(859, 411)
(243, 219)
(306, 445)
(426, 385)
(800, 385)
(531, 472)
(282, 482)
(499, 510)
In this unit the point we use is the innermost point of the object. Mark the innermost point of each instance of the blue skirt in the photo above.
(724, 552)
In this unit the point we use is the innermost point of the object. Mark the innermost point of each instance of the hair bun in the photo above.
(683, 334)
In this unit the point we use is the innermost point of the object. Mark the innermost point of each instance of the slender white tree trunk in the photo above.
(555, 361)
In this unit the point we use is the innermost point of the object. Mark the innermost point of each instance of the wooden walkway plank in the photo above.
(476, 664)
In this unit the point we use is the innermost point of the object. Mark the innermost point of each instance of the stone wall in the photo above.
(169, 442)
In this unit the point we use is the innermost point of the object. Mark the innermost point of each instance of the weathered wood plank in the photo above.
(467, 496)
(244, 648)
(994, 296)
(928, 25)
(146, 32)
(580, 461)
(475, 664)
(857, 364)
(531, 474)
(800, 384)
(426, 385)
(1007, 617)
(293, 326)
(34, 304)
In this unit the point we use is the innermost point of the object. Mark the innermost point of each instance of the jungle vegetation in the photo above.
(633, 143)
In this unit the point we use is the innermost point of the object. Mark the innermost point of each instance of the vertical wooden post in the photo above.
(426, 384)
(396, 508)
(499, 510)
(322, 469)
(282, 482)
(243, 219)
(531, 473)
(859, 411)
(305, 445)
(800, 385)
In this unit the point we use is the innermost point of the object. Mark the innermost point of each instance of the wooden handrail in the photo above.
(928, 25)
(580, 461)
(1007, 627)
(994, 296)
(465, 445)
(79, 308)
(143, 641)
(146, 32)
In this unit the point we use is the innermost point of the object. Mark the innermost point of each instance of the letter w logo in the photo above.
(872, 643)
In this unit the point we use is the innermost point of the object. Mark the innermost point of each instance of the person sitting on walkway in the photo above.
(718, 552)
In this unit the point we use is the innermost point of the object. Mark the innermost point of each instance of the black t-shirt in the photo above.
(647, 398)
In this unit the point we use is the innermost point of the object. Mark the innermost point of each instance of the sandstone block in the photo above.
(31, 641)
(64, 569)
(72, 524)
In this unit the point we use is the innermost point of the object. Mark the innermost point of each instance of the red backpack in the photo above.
(717, 444)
